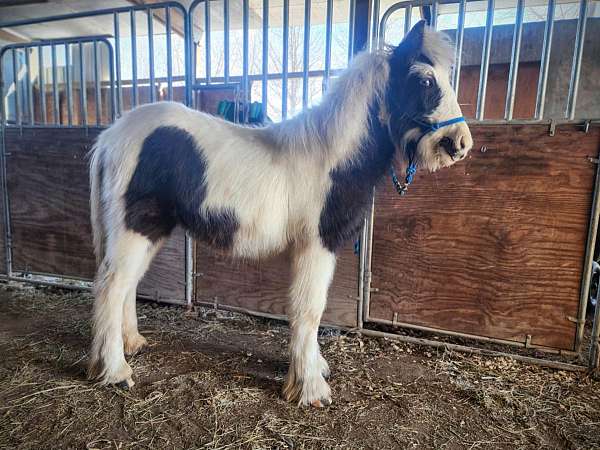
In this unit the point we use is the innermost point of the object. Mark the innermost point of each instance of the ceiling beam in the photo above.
(4, 3)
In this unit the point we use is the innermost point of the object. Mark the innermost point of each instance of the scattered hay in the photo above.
(211, 379)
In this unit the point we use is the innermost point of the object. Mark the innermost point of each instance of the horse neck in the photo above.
(337, 127)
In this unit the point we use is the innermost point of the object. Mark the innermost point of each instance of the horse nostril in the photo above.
(461, 143)
(448, 145)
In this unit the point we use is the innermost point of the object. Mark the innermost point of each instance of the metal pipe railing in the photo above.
(460, 37)
(69, 87)
(485, 61)
(514, 62)
(42, 83)
(545, 61)
(150, 17)
(169, 45)
(245, 57)
(134, 87)
(207, 53)
(577, 56)
(284, 62)
(16, 84)
(306, 53)
(265, 58)
(117, 36)
(97, 91)
(226, 36)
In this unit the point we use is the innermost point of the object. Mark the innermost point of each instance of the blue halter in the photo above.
(411, 170)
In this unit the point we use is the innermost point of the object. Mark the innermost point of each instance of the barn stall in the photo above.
(497, 250)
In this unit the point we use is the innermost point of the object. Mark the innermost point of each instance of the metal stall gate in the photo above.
(58, 94)
(499, 248)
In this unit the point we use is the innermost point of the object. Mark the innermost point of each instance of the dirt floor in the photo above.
(211, 380)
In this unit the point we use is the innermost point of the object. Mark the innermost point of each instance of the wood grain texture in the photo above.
(48, 184)
(165, 279)
(493, 246)
(263, 286)
(49, 201)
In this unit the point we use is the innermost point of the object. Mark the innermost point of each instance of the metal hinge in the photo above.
(586, 126)
(552, 129)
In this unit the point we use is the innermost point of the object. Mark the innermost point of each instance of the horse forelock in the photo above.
(438, 47)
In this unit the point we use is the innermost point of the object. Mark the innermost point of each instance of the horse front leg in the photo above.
(313, 268)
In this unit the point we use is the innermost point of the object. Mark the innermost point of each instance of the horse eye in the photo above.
(426, 82)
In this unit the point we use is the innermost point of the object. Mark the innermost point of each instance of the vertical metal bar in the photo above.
(584, 290)
(306, 53)
(545, 61)
(190, 60)
(134, 97)
(97, 91)
(514, 62)
(207, 39)
(328, 37)
(284, 63)
(151, 54)
(245, 63)
(83, 87)
(169, 54)
(368, 257)
(55, 87)
(407, 19)
(16, 80)
(374, 35)
(485, 61)
(226, 36)
(29, 88)
(434, 14)
(594, 357)
(460, 35)
(577, 56)
(69, 86)
(111, 68)
(361, 274)
(118, 62)
(265, 58)
(5, 196)
(189, 269)
(351, 20)
(42, 84)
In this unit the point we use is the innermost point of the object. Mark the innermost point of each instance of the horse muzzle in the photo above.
(457, 146)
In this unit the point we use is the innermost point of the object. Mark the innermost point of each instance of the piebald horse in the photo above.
(304, 184)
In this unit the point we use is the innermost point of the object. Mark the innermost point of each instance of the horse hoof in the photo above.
(125, 384)
(134, 344)
(321, 403)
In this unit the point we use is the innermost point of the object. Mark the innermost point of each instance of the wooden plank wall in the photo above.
(493, 246)
(48, 185)
(49, 200)
(263, 286)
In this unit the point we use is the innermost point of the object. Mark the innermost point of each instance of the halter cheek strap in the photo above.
(411, 170)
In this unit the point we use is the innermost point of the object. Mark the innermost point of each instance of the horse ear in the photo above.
(412, 44)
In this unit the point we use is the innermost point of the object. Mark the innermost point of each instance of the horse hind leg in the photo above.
(126, 260)
(133, 341)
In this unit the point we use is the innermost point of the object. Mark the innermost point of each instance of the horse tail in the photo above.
(96, 212)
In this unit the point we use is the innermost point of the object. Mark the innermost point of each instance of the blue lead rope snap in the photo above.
(401, 188)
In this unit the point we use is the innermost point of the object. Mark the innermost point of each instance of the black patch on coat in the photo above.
(352, 185)
(168, 187)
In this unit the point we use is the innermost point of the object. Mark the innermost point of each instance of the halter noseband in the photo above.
(411, 170)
